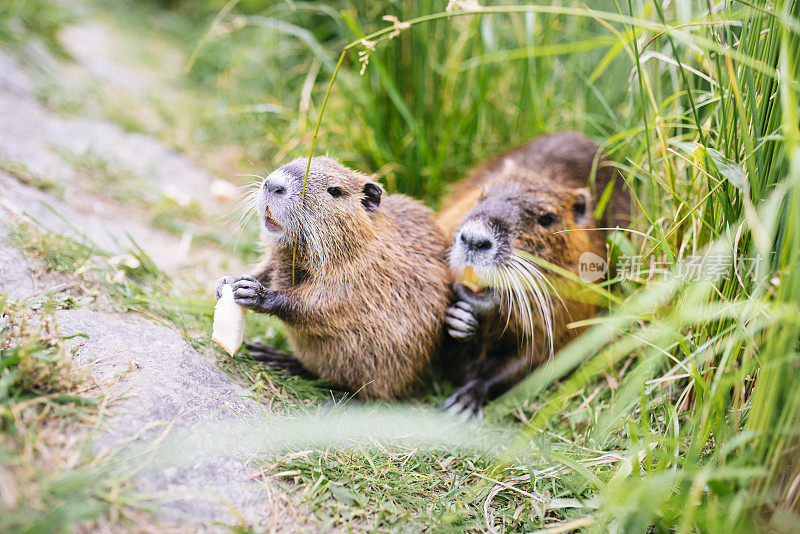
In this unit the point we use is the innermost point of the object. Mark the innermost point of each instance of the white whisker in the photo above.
(527, 294)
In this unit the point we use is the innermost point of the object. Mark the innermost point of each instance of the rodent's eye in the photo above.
(335, 191)
(547, 219)
(579, 208)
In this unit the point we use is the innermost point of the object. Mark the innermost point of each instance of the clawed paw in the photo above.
(467, 402)
(221, 282)
(461, 320)
(247, 291)
(277, 359)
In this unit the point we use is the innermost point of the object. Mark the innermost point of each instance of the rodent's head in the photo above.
(529, 218)
(513, 221)
(336, 211)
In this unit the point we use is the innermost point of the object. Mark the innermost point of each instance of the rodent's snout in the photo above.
(276, 185)
(276, 202)
(477, 245)
(476, 240)
(473, 259)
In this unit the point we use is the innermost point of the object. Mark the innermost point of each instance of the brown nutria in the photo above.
(366, 310)
(526, 202)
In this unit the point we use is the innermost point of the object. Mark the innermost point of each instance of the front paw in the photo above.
(249, 293)
(461, 321)
(221, 282)
(467, 401)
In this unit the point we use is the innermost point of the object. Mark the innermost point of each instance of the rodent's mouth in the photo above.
(270, 223)
(473, 286)
(482, 300)
(470, 280)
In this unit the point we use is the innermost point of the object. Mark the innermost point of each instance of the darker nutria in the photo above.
(366, 310)
(525, 202)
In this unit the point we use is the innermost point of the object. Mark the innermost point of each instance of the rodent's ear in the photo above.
(372, 196)
(581, 206)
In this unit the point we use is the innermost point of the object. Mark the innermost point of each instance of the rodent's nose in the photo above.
(275, 189)
(478, 242)
(274, 186)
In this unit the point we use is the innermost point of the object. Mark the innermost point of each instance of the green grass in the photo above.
(692, 382)
(20, 18)
(401, 488)
(51, 483)
(22, 173)
(445, 94)
(109, 178)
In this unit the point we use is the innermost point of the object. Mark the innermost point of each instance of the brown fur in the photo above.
(375, 286)
(547, 175)
(563, 249)
(565, 158)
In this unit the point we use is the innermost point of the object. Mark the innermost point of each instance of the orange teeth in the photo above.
(270, 219)
(470, 281)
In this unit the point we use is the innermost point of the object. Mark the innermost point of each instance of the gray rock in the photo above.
(170, 173)
(15, 277)
(38, 139)
(111, 231)
(166, 386)
(32, 135)
(92, 45)
(24, 124)
(12, 78)
(172, 389)
(27, 203)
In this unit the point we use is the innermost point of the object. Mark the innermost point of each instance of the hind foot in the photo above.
(467, 401)
(278, 359)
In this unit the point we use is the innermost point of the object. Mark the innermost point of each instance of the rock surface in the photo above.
(165, 386)
(168, 386)
(15, 278)
(21, 202)
(44, 144)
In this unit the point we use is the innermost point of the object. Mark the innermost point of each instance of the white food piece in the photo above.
(228, 322)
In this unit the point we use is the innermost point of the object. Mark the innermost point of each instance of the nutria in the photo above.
(366, 309)
(526, 202)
